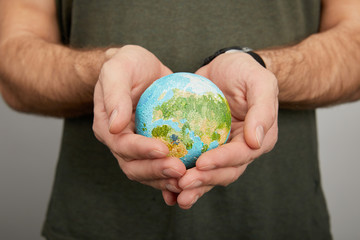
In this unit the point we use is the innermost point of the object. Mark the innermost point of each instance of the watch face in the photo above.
(234, 50)
(246, 49)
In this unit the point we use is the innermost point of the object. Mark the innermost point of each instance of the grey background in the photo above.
(29, 146)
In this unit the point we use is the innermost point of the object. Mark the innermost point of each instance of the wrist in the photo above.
(266, 56)
(88, 65)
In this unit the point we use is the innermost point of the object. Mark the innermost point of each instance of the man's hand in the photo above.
(252, 94)
(123, 78)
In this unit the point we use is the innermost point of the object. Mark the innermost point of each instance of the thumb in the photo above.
(258, 121)
(262, 110)
(120, 115)
(116, 91)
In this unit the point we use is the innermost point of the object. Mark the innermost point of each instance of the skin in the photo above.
(252, 96)
(29, 82)
(319, 71)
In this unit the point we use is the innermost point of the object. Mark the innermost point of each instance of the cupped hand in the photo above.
(252, 93)
(123, 78)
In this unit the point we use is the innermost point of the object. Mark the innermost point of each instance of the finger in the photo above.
(165, 71)
(149, 79)
(169, 197)
(126, 145)
(116, 87)
(187, 198)
(155, 169)
(203, 71)
(133, 146)
(100, 116)
(169, 184)
(232, 154)
(262, 99)
(217, 177)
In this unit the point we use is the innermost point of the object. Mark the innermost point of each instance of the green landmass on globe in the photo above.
(187, 112)
(204, 114)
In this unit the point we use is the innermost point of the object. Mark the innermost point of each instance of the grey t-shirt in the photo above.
(278, 197)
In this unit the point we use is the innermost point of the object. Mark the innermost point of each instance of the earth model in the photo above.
(187, 112)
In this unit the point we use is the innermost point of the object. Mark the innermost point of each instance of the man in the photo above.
(61, 59)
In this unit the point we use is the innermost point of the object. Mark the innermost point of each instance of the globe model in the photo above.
(187, 112)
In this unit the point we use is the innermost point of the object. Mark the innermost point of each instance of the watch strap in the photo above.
(235, 48)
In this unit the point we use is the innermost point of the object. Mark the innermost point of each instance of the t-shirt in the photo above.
(278, 197)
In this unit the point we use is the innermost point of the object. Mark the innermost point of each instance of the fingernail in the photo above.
(157, 154)
(208, 167)
(112, 117)
(192, 203)
(260, 135)
(194, 184)
(195, 200)
(172, 188)
(170, 172)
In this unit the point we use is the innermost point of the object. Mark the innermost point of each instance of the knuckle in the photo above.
(272, 143)
(248, 157)
(118, 150)
(208, 179)
(98, 134)
(98, 137)
(131, 47)
(122, 155)
(95, 130)
(234, 176)
(271, 111)
(128, 171)
(272, 116)
(157, 168)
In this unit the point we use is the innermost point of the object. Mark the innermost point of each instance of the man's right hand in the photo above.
(123, 78)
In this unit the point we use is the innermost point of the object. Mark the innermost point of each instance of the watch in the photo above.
(233, 49)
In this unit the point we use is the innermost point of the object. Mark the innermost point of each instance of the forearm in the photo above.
(48, 78)
(319, 71)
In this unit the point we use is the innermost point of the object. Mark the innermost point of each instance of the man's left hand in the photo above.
(252, 93)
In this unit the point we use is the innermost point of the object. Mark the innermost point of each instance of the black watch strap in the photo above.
(237, 48)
